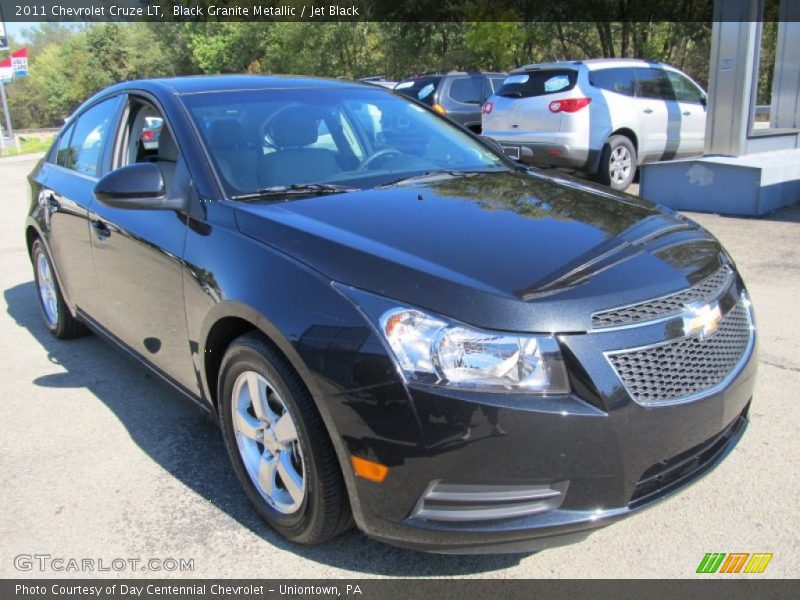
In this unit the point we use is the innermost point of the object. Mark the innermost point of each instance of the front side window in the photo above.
(84, 153)
(653, 83)
(684, 89)
(619, 80)
(349, 137)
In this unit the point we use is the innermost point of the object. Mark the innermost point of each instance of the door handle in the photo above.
(648, 111)
(101, 229)
(52, 202)
(686, 113)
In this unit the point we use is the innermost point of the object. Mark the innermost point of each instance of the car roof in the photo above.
(215, 83)
(594, 64)
(449, 73)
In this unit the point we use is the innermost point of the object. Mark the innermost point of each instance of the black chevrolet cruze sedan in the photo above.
(393, 324)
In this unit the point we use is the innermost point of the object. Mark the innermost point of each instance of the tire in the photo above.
(617, 163)
(55, 313)
(272, 470)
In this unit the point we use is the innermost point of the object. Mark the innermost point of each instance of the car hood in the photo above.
(510, 250)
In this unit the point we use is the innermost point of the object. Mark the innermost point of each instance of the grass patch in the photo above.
(27, 146)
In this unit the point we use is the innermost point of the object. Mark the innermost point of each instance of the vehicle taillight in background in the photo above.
(147, 135)
(439, 109)
(487, 107)
(570, 105)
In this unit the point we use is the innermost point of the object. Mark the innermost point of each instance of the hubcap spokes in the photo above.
(266, 436)
(619, 165)
(47, 289)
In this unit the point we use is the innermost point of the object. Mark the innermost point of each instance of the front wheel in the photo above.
(618, 163)
(278, 444)
(56, 314)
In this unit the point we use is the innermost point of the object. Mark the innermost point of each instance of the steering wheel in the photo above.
(365, 164)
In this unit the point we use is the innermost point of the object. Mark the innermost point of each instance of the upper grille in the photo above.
(709, 288)
(682, 368)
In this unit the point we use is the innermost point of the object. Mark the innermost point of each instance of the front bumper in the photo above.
(611, 456)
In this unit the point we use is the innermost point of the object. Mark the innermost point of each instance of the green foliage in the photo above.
(69, 63)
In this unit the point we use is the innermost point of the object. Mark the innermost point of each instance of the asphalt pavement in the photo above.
(99, 460)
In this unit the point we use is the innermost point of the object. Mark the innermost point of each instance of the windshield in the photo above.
(346, 137)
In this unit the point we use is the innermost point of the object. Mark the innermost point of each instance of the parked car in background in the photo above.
(457, 95)
(379, 80)
(151, 132)
(604, 117)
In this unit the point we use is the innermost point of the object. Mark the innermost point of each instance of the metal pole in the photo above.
(5, 110)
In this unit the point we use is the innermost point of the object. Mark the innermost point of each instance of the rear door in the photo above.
(66, 183)
(692, 105)
(660, 124)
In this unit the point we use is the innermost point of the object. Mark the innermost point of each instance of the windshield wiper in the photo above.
(296, 189)
(451, 172)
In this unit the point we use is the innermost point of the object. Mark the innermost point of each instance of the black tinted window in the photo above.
(421, 88)
(653, 83)
(85, 151)
(614, 80)
(685, 90)
(63, 156)
(538, 83)
(467, 89)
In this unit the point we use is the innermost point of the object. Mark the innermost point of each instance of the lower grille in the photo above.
(683, 368)
(469, 502)
(671, 473)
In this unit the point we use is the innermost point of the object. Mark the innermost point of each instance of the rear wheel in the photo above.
(278, 444)
(618, 163)
(56, 314)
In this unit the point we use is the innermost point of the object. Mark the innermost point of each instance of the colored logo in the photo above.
(734, 562)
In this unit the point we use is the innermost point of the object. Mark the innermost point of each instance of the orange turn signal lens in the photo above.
(368, 469)
(440, 109)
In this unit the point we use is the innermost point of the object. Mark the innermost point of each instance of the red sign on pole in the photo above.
(19, 62)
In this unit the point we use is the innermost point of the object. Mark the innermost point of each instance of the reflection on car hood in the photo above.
(497, 250)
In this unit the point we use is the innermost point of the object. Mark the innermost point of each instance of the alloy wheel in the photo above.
(266, 436)
(619, 164)
(47, 289)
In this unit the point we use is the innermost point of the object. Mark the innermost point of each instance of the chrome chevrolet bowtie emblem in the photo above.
(701, 320)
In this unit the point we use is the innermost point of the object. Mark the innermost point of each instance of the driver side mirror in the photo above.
(138, 187)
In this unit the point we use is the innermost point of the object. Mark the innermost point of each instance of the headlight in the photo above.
(431, 350)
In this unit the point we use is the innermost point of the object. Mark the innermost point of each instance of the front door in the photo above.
(138, 253)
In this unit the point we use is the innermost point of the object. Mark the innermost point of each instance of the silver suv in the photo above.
(604, 117)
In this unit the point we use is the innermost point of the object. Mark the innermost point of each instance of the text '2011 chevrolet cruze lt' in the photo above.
(393, 324)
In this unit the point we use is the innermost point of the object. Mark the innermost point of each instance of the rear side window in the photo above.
(84, 150)
(468, 90)
(421, 88)
(538, 83)
(653, 83)
(63, 156)
(620, 81)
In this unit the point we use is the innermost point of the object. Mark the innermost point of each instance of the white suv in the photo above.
(601, 116)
